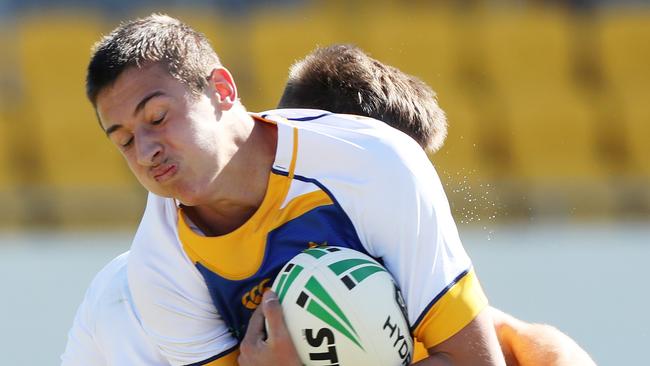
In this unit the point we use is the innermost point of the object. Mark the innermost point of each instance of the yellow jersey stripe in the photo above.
(222, 254)
(420, 352)
(294, 155)
(301, 205)
(452, 312)
(224, 258)
(228, 360)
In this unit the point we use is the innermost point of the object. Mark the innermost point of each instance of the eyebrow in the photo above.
(144, 101)
(112, 129)
(137, 109)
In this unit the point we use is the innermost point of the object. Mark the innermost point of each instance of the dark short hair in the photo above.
(158, 38)
(344, 79)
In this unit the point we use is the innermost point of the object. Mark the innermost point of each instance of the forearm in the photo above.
(544, 344)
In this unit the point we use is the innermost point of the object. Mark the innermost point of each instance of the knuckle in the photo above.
(245, 347)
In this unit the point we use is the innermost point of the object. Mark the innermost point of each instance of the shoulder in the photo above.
(107, 280)
(107, 329)
(85, 345)
(348, 142)
(346, 127)
(363, 162)
(107, 288)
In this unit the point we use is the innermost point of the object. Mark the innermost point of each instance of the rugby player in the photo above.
(108, 304)
(233, 196)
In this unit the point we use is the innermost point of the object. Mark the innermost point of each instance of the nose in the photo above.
(148, 150)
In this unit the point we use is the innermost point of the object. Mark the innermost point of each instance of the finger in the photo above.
(275, 319)
(255, 330)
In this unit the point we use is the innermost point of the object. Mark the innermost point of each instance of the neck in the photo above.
(247, 182)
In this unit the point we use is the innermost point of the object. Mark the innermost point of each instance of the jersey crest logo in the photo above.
(316, 245)
(253, 298)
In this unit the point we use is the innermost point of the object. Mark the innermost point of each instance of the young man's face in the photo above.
(174, 142)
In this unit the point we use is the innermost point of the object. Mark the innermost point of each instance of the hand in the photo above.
(278, 349)
(528, 344)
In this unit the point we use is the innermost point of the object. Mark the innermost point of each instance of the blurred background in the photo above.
(547, 162)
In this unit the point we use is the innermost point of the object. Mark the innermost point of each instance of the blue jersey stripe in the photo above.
(303, 119)
(336, 203)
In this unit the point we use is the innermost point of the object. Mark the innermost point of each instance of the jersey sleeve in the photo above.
(81, 348)
(404, 218)
(170, 296)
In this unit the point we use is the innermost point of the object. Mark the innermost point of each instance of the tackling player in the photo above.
(234, 196)
(344, 79)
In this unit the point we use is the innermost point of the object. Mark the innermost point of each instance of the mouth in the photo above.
(163, 173)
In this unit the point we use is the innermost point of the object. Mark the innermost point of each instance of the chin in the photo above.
(158, 191)
(186, 203)
(186, 195)
(189, 199)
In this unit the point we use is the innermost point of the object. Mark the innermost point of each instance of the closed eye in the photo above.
(158, 121)
(127, 143)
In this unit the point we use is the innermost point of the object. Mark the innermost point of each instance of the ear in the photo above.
(224, 87)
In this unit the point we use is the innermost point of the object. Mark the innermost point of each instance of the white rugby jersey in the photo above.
(338, 180)
(106, 330)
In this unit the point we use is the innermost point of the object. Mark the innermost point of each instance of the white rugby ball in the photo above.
(343, 308)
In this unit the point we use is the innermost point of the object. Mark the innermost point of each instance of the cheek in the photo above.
(137, 169)
(196, 144)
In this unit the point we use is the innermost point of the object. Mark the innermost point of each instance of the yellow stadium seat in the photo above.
(553, 137)
(8, 68)
(274, 45)
(55, 53)
(626, 57)
(636, 119)
(552, 124)
(395, 35)
(459, 156)
(82, 173)
(6, 176)
(10, 158)
(624, 40)
(529, 49)
(9, 216)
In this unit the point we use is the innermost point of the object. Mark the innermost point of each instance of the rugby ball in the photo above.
(343, 308)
